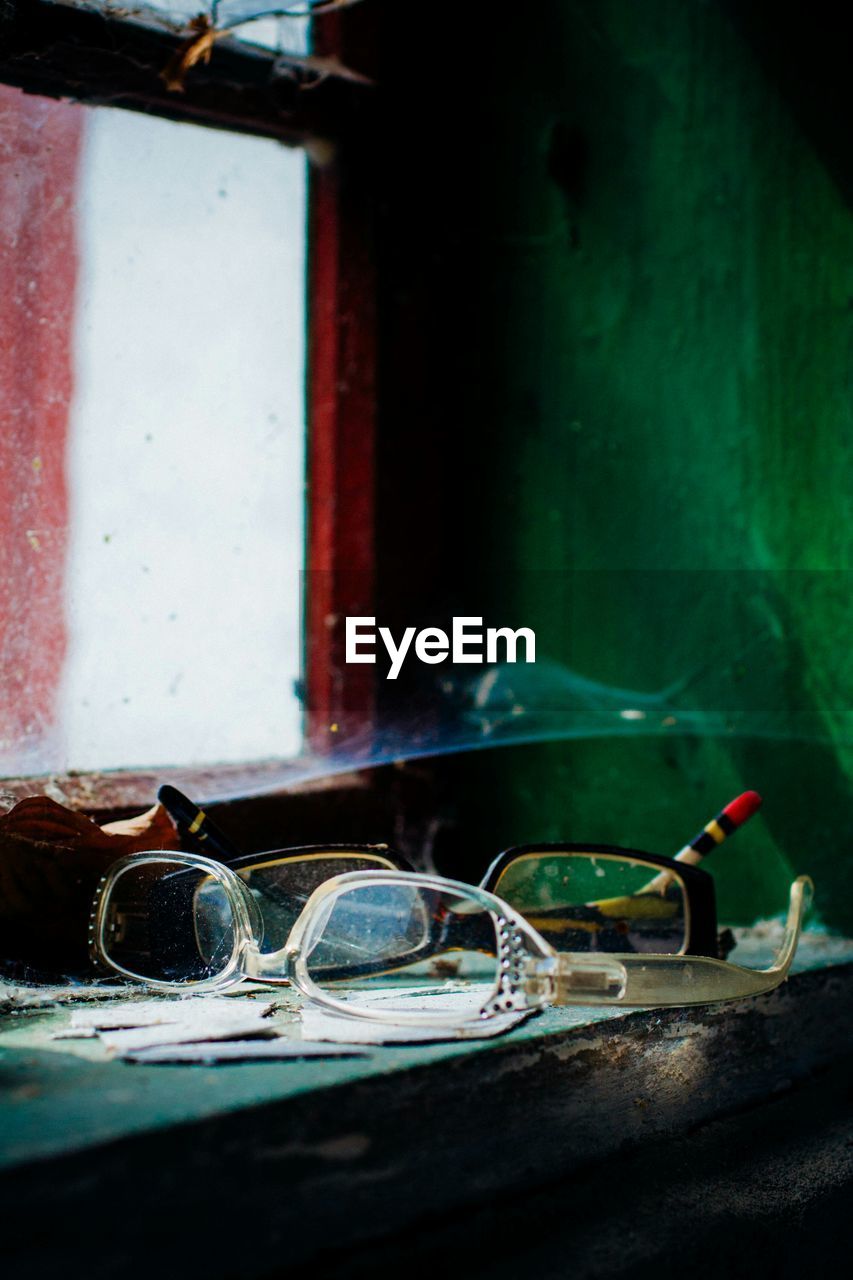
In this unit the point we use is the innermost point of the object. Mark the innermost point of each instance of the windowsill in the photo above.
(112, 790)
(566, 1089)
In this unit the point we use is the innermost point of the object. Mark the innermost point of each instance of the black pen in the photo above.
(195, 826)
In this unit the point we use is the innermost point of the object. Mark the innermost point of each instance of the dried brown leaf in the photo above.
(199, 48)
(51, 859)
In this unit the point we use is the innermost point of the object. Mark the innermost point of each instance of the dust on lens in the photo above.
(282, 887)
(166, 922)
(399, 948)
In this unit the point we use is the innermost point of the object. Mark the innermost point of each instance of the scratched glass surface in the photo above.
(151, 366)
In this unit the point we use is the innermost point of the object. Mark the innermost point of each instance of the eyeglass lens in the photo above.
(400, 948)
(281, 887)
(167, 922)
(597, 901)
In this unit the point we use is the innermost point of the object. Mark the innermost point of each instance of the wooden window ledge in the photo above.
(293, 1156)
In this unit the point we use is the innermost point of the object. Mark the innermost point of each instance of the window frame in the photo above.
(55, 49)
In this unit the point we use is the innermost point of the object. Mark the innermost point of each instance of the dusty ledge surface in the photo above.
(351, 1150)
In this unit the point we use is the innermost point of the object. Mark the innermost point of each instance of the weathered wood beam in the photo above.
(62, 51)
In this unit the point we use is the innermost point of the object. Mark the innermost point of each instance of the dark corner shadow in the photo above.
(803, 48)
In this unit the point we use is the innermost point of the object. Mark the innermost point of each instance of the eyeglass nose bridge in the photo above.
(275, 967)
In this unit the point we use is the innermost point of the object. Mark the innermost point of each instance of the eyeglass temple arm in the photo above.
(669, 980)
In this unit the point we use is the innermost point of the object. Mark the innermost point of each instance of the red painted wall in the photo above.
(40, 144)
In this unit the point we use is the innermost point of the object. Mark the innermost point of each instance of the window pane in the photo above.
(154, 540)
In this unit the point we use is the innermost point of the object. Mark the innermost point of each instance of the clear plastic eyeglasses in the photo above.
(388, 945)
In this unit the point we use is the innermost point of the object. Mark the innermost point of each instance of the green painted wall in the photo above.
(663, 367)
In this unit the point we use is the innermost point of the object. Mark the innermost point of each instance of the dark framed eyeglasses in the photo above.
(581, 897)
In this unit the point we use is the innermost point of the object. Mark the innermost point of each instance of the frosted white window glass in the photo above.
(186, 448)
